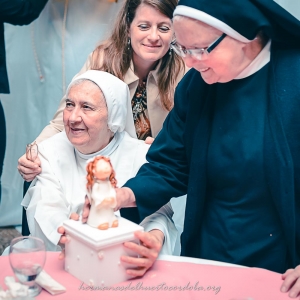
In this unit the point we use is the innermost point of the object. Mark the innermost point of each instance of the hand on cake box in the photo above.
(148, 249)
(98, 212)
(101, 193)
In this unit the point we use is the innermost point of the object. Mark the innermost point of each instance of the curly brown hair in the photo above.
(90, 172)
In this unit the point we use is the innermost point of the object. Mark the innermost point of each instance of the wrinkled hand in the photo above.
(125, 198)
(63, 239)
(28, 169)
(291, 282)
(149, 140)
(148, 250)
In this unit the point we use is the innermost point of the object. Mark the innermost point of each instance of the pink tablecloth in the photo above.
(169, 280)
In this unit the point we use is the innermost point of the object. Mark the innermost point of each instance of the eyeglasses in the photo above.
(197, 53)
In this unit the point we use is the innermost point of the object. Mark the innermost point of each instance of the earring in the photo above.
(171, 49)
(128, 44)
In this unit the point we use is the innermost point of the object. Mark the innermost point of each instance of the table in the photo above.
(171, 277)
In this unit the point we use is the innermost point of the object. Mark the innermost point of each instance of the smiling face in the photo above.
(151, 34)
(85, 118)
(224, 62)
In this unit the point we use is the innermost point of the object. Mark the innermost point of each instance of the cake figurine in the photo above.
(101, 193)
(93, 255)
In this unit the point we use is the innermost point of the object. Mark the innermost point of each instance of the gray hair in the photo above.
(80, 81)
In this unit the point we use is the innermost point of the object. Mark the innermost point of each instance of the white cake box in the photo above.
(93, 255)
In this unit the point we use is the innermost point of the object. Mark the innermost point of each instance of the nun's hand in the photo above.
(148, 251)
(149, 140)
(64, 239)
(291, 282)
(125, 198)
(29, 169)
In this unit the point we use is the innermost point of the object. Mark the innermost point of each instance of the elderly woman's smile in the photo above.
(76, 131)
(228, 59)
(85, 118)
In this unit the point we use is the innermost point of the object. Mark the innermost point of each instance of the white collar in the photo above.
(107, 151)
(259, 61)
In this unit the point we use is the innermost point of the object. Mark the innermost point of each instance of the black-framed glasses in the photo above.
(197, 53)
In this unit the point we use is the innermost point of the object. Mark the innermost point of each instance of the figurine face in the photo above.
(85, 118)
(102, 170)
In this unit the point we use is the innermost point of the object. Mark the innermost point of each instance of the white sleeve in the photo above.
(47, 207)
(178, 205)
(162, 220)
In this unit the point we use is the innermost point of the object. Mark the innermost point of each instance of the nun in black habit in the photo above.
(232, 140)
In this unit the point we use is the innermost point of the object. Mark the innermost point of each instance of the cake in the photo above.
(93, 255)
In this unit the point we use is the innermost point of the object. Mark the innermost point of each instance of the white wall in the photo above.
(32, 103)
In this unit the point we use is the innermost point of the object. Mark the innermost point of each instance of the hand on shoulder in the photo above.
(29, 169)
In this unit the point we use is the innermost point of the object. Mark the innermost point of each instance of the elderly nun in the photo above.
(232, 141)
(96, 122)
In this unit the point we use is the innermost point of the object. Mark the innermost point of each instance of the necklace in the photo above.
(36, 58)
(139, 101)
(63, 48)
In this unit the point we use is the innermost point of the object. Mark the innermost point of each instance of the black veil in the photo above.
(248, 17)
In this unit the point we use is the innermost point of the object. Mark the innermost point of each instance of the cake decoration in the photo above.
(101, 193)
